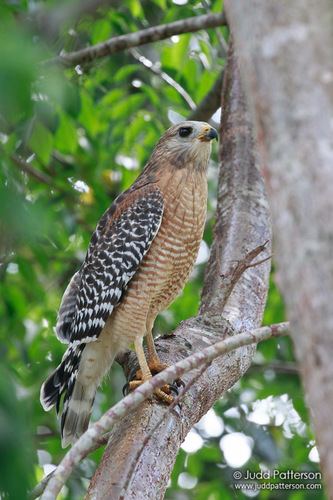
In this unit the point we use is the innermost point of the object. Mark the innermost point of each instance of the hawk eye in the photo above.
(185, 131)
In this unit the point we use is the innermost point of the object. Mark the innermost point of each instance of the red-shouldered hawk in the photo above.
(138, 261)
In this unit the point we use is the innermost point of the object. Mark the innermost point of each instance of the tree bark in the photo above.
(286, 57)
(135, 464)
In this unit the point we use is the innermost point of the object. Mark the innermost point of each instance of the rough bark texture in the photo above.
(286, 57)
(133, 465)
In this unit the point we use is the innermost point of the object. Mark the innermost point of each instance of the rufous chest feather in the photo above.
(184, 215)
(174, 250)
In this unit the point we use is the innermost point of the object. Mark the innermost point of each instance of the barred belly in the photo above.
(169, 262)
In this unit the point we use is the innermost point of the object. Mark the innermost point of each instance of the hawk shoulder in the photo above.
(119, 243)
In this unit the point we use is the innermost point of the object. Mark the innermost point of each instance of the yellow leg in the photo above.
(145, 374)
(145, 371)
(155, 365)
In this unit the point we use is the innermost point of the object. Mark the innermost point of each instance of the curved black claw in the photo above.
(179, 382)
(125, 389)
(174, 389)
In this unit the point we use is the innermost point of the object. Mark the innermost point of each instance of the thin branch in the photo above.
(176, 401)
(37, 175)
(40, 487)
(45, 179)
(210, 103)
(280, 367)
(120, 43)
(134, 399)
(38, 490)
(231, 278)
(28, 169)
(258, 262)
(157, 71)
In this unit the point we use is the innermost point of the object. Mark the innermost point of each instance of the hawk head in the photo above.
(186, 145)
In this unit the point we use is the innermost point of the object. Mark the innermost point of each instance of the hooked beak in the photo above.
(209, 133)
(212, 134)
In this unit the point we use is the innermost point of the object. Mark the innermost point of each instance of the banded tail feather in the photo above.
(79, 397)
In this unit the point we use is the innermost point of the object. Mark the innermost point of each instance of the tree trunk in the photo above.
(135, 464)
(286, 56)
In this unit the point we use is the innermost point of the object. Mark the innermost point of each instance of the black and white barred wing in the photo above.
(115, 252)
(117, 247)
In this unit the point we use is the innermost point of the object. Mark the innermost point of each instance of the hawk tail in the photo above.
(76, 411)
(78, 376)
(79, 397)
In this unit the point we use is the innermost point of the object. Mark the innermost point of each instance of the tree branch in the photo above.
(141, 37)
(38, 490)
(157, 71)
(234, 273)
(28, 169)
(133, 400)
(286, 58)
(242, 223)
(240, 189)
(40, 177)
(281, 367)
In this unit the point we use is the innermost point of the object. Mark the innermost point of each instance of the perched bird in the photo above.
(138, 261)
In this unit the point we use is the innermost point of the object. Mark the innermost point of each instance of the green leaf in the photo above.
(205, 84)
(133, 130)
(71, 100)
(41, 142)
(124, 72)
(46, 114)
(19, 59)
(101, 31)
(136, 9)
(191, 76)
(89, 116)
(174, 55)
(127, 106)
(162, 4)
(113, 96)
(217, 6)
(152, 95)
(66, 139)
(14, 420)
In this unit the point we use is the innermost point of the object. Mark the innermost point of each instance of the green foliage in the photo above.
(17, 455)
(70, 142)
